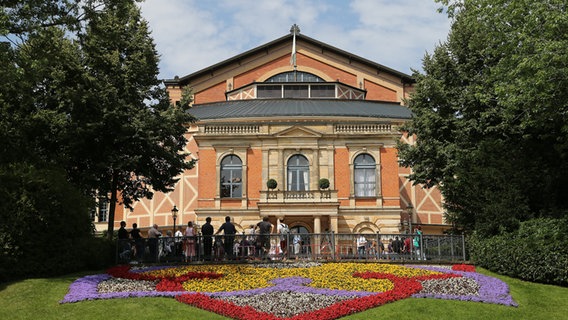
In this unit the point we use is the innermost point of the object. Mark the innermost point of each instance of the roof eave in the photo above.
(177, 81)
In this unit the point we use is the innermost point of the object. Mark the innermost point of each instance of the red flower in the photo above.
(403, 288)
(463, 267)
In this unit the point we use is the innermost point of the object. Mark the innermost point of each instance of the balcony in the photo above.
(308, 196)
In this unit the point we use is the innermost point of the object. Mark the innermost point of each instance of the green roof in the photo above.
(263, 108)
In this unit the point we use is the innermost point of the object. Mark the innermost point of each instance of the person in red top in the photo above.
(407, 249)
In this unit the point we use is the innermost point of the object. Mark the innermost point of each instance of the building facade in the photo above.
(299, 112)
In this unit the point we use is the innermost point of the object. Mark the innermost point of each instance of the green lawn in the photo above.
(39, 299)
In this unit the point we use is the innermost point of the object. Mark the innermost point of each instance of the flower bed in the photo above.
(292, 291)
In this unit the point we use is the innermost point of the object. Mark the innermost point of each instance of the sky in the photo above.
(191, 35)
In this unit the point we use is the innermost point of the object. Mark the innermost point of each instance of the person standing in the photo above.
(138, 241)
(189, 242)
(229, 229)
(122, 233)
(297, 241)
(207, 231)
(417, 242)
(265, 229)
(283, 231)
(251, 241)
(397, 246)
(361, 244)
(123, 242)
(178, 241)
(153, 235)
(407, 249)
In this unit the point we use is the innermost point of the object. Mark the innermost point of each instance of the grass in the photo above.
(39, 299)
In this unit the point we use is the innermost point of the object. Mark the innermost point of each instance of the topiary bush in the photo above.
(271, 184)
(323, 183)
(537, 252)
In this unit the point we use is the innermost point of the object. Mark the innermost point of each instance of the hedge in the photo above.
(537, 252)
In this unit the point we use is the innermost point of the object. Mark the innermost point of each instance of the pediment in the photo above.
(298, 132)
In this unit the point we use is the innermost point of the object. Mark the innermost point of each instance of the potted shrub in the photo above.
(323, 183)
(271, 184)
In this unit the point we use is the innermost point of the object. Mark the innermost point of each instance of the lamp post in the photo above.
(174, 216)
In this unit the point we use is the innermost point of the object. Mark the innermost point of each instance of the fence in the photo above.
(305, 246)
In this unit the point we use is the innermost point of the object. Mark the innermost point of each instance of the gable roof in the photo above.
(267, 108)
(288, 38)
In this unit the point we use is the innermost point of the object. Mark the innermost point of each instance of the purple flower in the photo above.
(491, 290)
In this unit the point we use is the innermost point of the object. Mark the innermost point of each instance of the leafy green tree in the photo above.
(491, 114)
(130, 139)
(81, 94)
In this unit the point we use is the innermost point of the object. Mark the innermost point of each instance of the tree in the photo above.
(491, 114)
(131, 139)
(81, 93)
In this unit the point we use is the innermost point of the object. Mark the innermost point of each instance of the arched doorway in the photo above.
(304, 238)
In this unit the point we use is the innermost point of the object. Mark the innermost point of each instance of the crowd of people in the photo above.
(256, 242)
(184, 243)
(394, 248)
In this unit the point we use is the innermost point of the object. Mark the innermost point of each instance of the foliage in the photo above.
(45, 226)
(271, 184)
(140, 134)
(81, 93)
(81, 113)
(491, 114)
(323, 183)
(537, 252)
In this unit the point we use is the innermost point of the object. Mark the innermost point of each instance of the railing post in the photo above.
(332, 245)
(463, 246)
(288, 245)
(439, 249)
(452, 246)
(378, 252)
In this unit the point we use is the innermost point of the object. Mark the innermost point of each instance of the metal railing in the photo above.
(311, 247)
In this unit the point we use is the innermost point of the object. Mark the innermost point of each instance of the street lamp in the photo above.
(174, 216)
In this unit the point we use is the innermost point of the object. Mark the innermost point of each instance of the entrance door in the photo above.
(303, 240)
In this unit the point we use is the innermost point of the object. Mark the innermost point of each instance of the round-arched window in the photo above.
(231, 177)
(298, 173)
(364, 174)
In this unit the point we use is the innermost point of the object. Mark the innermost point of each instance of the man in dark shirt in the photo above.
(122, 233)
(138, 241)
(123, 242)
(397, 246)
(229, 238)
(264, 237)
(207, 231)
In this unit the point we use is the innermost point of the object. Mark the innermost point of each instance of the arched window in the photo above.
(231, 177)
(295, 76)
(298, 173)
(365, 176)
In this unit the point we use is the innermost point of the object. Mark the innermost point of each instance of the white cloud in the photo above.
(192, 35)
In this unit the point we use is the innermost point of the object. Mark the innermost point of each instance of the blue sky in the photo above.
(193, 34)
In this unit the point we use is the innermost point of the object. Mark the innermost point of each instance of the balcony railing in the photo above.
(278, 196)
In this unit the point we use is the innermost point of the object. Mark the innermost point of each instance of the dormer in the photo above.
(296, 85)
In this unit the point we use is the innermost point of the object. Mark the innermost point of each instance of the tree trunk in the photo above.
(112, 206)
